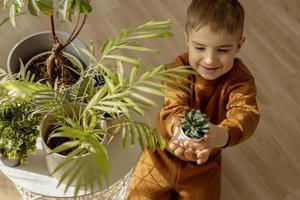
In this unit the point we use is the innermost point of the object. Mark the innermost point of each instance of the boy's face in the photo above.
(212, 54)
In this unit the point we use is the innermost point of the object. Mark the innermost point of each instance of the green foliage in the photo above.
(195, 124)
(126, 89)
(62, 9)
(18, 131)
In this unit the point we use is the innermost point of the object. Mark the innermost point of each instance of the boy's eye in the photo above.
(223, 50)
(200, 48)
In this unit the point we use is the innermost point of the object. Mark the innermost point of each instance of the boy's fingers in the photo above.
(172, 146)
(195, 145)
(189, 154)
(178, 151)
(203, 154)
(175, 142)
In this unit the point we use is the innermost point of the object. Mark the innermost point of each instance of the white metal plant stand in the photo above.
(116, 191)
(34, 182)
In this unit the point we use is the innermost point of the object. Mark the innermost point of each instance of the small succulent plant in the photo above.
(195, 124)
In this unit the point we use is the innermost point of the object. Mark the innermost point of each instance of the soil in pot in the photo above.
(55, 142)
(38, 67)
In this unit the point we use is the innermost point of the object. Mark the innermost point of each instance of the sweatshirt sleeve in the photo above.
(242, 114)
(175, 104)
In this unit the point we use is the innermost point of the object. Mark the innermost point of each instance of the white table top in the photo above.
(36, 178)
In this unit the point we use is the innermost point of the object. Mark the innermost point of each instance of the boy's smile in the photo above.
(212, 54)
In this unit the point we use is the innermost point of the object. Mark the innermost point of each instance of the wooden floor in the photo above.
(266, 167)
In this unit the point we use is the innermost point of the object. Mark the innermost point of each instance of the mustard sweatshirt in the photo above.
(229, 100)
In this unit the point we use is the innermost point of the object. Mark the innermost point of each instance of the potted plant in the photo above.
(123, 92)
(193, 126)
(55, 64)
(18, 132)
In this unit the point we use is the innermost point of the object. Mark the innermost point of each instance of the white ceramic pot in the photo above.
(183, 137)
(10, 162)
(53, 159)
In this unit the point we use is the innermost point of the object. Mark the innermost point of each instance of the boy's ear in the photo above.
(240, 43)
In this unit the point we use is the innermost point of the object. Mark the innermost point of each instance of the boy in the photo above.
(224, 90)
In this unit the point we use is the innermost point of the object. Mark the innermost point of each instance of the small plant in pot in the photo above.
(193, 126)
(55, 65)
(18, 132)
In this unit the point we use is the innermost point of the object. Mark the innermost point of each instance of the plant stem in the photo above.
(73, 36)
(55, 39)
(74, 29)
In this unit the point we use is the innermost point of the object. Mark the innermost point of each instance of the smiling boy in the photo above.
(224, 90)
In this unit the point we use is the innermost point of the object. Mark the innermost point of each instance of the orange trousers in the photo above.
(161, 176)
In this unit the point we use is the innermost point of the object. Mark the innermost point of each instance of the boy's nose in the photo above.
(208, 60)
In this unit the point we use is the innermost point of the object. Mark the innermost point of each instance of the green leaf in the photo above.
(83, 51)
(45, 6)
(65, 162)
(132, 133)
(109, 83)
(120, 72)
(115, 96)
(4, 3)
(134, 106)
(137, 48)
(33, 8)
(99, 95)
(112, 103)
(110, 74)
(63, 8)
(124, 137)
(69, 168)
(133, 73)
(99, 154)
(72, 174)
(140, 137)
(106, 109)
(143, 99)
(124, 59)
(150, 35)
(77, 7)
(159, 85)
(12, 15)
(65, 146)
(18, 4)
(149, 90)
(85, 7)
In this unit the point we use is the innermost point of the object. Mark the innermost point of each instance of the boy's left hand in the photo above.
(199, 151)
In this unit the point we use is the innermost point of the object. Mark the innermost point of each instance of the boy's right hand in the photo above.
(178, 149)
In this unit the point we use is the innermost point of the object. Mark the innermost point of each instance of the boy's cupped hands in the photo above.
(198, 151)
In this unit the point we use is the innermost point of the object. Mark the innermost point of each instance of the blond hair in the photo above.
(219, 15)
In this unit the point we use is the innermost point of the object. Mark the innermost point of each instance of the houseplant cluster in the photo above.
(80, 117)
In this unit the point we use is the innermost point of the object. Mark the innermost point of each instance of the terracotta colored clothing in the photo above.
(230, 101)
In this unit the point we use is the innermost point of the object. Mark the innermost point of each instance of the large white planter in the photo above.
(38, 43)
(121, 160)
(52, 160)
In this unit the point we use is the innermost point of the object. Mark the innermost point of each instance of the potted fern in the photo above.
(193, 126)
(125, 91)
